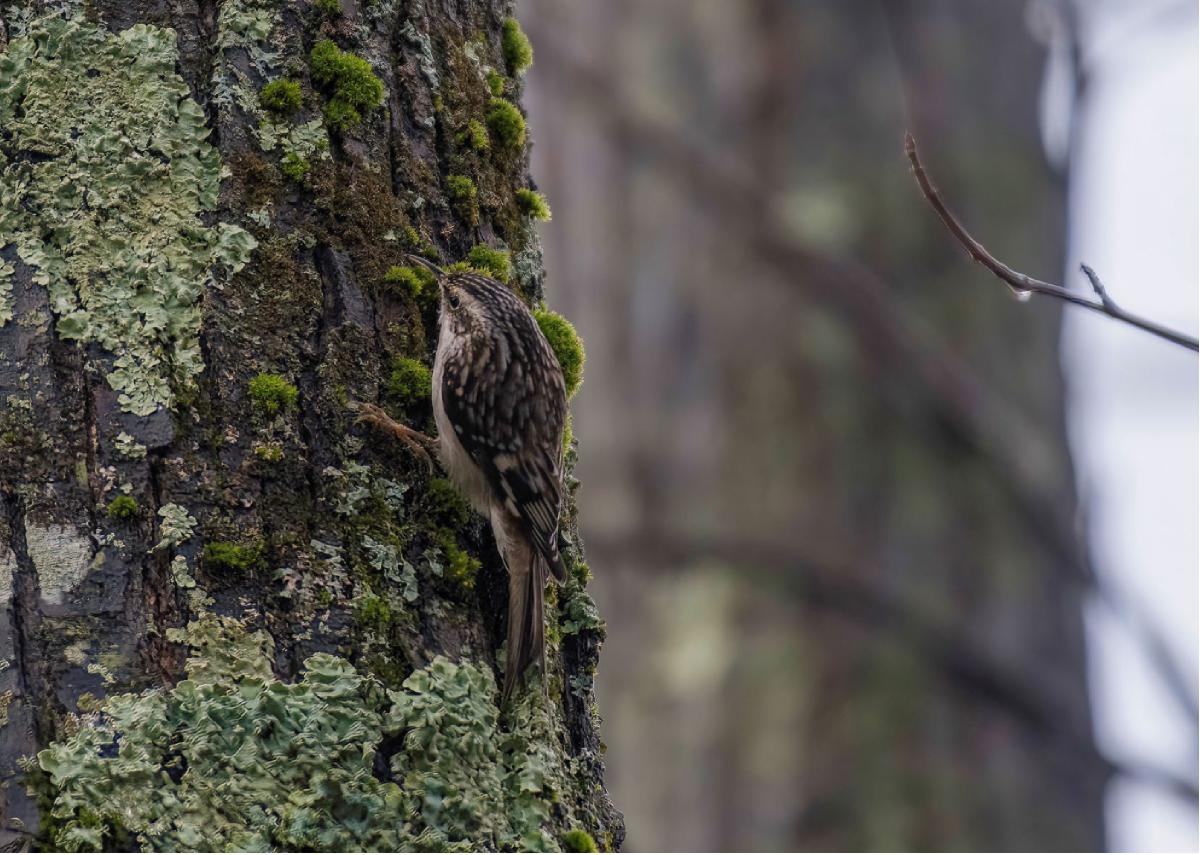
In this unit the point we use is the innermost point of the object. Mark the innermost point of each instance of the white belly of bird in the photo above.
(467, 477)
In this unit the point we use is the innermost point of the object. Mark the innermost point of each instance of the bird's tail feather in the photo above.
(526, 604)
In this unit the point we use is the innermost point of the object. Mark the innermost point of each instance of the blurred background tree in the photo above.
(829, 498)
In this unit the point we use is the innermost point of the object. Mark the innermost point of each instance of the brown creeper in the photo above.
(500, 402)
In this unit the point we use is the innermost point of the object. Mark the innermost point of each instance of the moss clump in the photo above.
(493, 262)
(567, 346)
(417, 281)
(506, 124)
(578, 840)
(294, 166)
(518, 52)
(373, 614)
(495, 82)
(533, 204)
(410, 381)
(354, 88)
(332, 8)
(568, 433)
(268, 452)
(272, 395)
(475, 137)
(281, 96)
(234, 557)
(446, 505)
(464, 195)
(460, 567)
(122, 508)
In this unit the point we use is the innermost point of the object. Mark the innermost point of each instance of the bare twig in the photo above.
(892, 339)
(1024, 285)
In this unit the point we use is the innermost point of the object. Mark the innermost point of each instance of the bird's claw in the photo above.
(415, 440)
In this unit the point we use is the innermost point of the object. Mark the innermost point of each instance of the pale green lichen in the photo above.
(579, 612)
(176, 526)
(386, 560)
(307, 141)
(239, 760)
(245, 26)
(181, 574)
(109, 211)
(128, 447)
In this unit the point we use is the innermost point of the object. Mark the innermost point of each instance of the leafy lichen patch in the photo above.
(239, 760)
(105, 173)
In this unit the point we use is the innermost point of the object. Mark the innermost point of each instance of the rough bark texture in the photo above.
(847, 619)
(259, 500)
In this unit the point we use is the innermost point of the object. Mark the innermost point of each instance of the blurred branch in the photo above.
(1024, 285)
(891, 338)
(963, 663)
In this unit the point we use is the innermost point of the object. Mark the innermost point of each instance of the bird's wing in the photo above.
(509, 418)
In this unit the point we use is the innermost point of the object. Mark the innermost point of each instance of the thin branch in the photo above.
(894, 340)
(1024, 285)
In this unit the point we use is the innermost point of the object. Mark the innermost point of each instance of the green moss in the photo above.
(271, 394)
(332, 8)
(505, 123)
(475, 137)
(102, 141)
(122, 508)
(567, 346)
(340, 115)
(460, 567)
(234, 557)
(373, 614)
(463, 194)
(410, 381)
(268, 452)
(282, 97)
(581, 573)
(294, 166)
(578, 840)
(518, 52)
(495, 82)
(493, 262)
(354, 89)
(568, 433)
(533, 204)
(417, 281)
(446, 505)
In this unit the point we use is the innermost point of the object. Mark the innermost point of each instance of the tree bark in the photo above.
(201, 288)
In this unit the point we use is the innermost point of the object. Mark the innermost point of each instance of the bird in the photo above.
(500, 404)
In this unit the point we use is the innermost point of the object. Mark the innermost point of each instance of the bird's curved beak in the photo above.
(421, 261)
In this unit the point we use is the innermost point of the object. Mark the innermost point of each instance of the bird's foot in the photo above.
(416, 441)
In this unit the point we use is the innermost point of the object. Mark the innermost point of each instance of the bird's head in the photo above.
(469, 300)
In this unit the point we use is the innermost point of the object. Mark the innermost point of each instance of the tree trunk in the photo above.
(234, 618)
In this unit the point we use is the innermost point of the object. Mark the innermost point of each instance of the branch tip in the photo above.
(1024, 285)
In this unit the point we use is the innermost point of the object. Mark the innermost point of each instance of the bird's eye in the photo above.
(452, 300)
